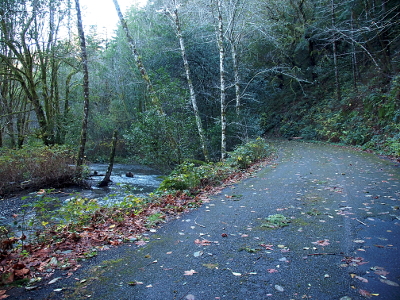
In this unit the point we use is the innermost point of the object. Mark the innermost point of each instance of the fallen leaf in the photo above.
(133, 283)
(381, 272)
(267, 247)
(359, 241)
(321, 243)
(389, 282)
(279, 288)
(3, 294)
(362, 279)
(202, 242)
(198, 253)
(189, 273)
(22, 272)
(365, 293)
(54, 280)
(272, 270)
(211, 266)
(140, 243)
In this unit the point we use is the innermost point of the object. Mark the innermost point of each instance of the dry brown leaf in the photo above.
(381, 272)
(3, 294)
(322, 243)
(202, 242)
(365, 293)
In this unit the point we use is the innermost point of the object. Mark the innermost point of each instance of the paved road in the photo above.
(342, 241)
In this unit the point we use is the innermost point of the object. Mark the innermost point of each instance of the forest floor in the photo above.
(320, 222)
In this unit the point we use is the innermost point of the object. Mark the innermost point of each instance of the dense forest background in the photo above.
(217, 73)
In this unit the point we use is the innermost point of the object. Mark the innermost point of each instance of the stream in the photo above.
(144, 181)
(125, 179)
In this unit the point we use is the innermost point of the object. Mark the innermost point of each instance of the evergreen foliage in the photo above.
(319, 69)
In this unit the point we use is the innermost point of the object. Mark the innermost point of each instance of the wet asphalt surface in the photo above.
(342, 241)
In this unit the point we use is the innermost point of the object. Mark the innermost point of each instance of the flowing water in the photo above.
(125, 179)
(145, 180)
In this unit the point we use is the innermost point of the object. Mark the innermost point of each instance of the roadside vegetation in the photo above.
(54, 234)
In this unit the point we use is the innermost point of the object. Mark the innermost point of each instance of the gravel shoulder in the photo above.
(343, 238)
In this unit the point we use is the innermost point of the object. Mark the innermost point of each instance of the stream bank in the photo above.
(145, 180)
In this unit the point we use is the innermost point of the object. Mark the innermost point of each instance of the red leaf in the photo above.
(3, 294)
(365, 293)
(202, 242)
(267, 247)
(272, 270)
(322, 243)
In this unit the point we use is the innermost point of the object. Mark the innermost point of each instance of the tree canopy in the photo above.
(184, 79)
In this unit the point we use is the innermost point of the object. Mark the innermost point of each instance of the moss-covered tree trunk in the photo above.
(82, 143)
(107, 179)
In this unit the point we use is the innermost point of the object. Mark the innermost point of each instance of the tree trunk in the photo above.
(237, 77)
(138, 60)
(220, 35)
(353, 54)
(82, 144)
(190, 83)
(335, 62)
(107, 179)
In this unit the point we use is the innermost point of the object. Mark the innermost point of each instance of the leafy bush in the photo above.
(35, 166)
(245, 155)
(189, 176)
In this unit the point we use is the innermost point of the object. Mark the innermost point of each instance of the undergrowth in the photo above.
(368, 117)
(31, 167)
(49, 228)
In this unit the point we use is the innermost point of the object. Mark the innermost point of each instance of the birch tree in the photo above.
(335, 54)
(173, 12)
(138, 59)
(221, 48)
(234, 37)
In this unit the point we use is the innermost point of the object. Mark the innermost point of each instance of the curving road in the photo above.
(342, 241)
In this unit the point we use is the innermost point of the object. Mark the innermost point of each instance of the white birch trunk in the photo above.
(221, 48)
(138, 60)
(190, 83)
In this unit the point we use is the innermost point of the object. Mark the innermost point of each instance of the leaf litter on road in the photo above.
(322, 243)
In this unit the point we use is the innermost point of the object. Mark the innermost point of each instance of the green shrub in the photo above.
(189, 176)
(245, 155)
